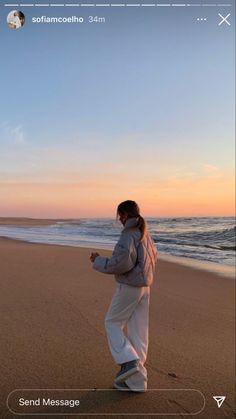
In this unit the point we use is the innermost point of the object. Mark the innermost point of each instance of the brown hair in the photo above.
(132, 209)
(21, 16)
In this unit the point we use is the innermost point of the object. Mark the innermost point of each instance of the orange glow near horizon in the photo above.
(186, 196)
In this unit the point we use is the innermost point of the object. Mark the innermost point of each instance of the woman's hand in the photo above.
(93, 256)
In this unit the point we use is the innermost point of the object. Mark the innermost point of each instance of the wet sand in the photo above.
(52, 332)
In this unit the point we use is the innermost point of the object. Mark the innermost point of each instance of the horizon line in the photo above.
(94, 217)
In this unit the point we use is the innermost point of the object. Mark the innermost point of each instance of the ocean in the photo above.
(209, 239)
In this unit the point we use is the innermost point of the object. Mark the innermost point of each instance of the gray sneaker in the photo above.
(127, 369)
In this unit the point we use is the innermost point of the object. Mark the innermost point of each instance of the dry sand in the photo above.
(52, 330)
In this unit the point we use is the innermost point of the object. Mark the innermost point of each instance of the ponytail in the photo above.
(142, 226)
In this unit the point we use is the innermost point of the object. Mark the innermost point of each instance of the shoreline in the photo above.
(222, 270)
(30, 222)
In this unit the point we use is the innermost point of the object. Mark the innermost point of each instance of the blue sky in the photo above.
(151, 89)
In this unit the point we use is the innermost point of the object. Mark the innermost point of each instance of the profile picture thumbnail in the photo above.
(15, 19)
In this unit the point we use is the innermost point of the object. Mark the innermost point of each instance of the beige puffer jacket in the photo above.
(133, 261)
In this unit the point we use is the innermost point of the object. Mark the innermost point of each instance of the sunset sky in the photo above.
(141, 107)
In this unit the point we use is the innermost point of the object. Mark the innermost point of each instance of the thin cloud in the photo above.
(211, 169)
(13, 134)
(18, 135)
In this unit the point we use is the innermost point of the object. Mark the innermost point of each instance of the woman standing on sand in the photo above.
(133, 263)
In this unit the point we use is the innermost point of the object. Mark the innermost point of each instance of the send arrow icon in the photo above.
(219, 400)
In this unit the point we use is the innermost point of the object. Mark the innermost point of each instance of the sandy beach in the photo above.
(52, 322)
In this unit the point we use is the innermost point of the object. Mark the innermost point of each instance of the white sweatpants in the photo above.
(129, 306)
